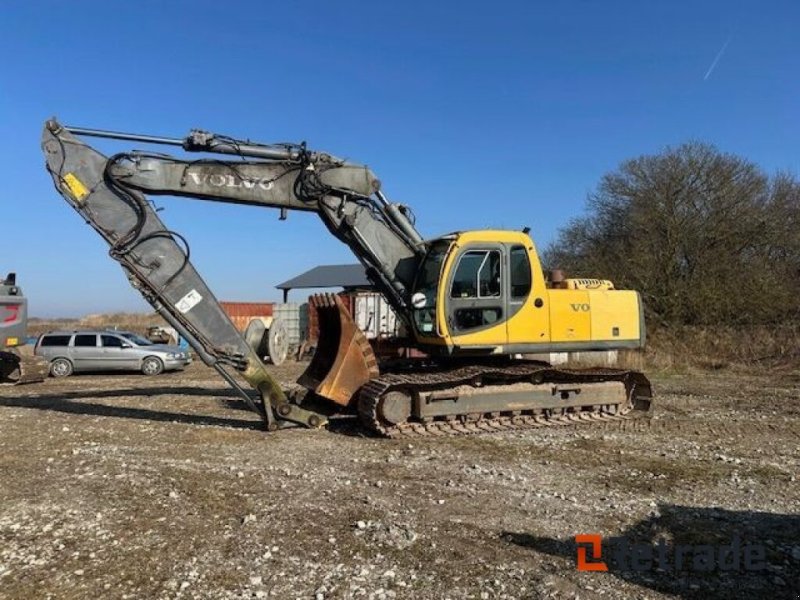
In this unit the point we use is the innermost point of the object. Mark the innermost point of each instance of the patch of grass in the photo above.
(719, 347)
(136, 322)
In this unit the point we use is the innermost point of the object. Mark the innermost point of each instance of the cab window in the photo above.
(472, 318)
(476, 290)
(477, 275)
(520, 272)
(427, 283)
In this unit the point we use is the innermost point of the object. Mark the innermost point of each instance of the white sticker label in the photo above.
(188, 302)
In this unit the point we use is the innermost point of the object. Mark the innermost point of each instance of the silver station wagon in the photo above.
(97, 350)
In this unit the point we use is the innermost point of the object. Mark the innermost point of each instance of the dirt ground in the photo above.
(132, 487)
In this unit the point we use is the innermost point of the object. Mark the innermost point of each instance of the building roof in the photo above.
(325, 276)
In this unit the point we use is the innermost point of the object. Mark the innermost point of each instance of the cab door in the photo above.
(476, 302)
(528, 321)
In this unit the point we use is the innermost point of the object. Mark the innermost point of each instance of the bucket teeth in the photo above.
(344, 360)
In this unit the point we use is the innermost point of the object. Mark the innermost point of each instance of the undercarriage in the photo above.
(485, 398)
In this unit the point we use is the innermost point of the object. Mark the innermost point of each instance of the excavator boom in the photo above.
(109, 193)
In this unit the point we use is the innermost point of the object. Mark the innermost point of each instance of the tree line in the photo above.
(706, 237)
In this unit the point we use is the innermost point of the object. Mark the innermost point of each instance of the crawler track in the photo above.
(19, 370)
(637, 403)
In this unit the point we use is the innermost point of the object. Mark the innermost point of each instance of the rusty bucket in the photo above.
(343, 361)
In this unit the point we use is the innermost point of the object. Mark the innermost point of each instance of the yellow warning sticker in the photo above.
(76, 188)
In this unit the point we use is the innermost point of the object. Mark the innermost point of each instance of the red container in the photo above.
(241, 313)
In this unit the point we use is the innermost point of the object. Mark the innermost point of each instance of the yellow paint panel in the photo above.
(530, 325)
(493, 336)
(596, 315)
(614, 312)
(501, 236)
(570, 316)
(76, 188)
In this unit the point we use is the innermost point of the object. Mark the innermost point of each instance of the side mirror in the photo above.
(126, 346)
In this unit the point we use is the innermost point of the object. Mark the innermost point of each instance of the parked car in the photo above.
(98, 350)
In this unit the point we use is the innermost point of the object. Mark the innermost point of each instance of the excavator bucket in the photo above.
(344, 360)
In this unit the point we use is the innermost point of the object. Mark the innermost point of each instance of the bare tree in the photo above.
(706, 237)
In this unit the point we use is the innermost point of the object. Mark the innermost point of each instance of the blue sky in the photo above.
(477, 114)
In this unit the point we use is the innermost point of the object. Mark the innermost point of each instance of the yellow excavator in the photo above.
(475, 305)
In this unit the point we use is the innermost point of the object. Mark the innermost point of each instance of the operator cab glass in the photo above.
(426, 288)
(476, 298)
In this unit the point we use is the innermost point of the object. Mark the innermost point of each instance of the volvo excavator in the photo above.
(16, 368)
(475, 305)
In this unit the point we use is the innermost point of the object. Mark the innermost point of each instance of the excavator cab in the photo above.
(484, 293)
(475, 289)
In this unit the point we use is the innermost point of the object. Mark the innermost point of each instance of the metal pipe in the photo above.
(266, 414)
(211, 361)
(222, 146)
(199, 141)
(402, 222)
(116, 135)
(399, 220)
(196, 141)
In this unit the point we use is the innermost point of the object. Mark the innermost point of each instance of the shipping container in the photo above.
(241, 313)
(373, 315)
(369, 310)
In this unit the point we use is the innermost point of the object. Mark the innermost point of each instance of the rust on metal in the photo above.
(242, 313)
(344, 360)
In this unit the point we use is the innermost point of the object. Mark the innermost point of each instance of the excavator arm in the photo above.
(111, 195)
(346, 196)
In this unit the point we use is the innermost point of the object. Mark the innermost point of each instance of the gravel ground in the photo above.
(133, 487)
